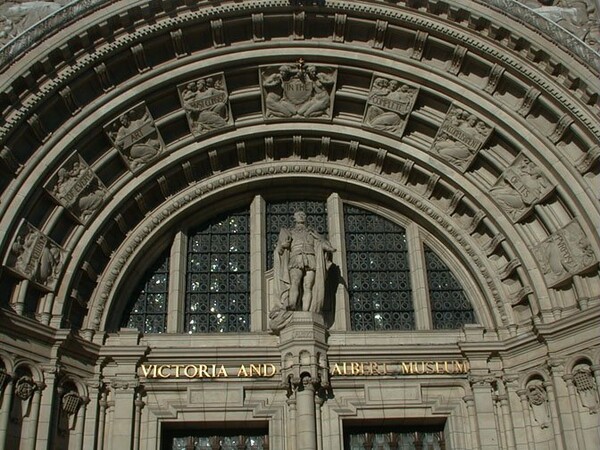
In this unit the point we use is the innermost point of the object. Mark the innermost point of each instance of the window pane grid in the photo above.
(149, 311)
(450, 308)
(378, 272)
(218, 276)
(281, 215)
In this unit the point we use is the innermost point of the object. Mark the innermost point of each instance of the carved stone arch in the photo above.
(585, 358)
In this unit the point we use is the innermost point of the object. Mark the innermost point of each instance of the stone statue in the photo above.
(297, 90)
(17, 16)
(300, 265)
(205, 102)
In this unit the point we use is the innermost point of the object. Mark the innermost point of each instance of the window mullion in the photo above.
(259, 301)
(418, 278)
(336, 238)
(176, 307)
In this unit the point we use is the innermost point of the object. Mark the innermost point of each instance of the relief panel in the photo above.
(389, 105)
(77, 188)
(297, 90)
(460, 137)
(35, 256)
(206, 104)
(564, 253)
(521, 186)
(136, 138)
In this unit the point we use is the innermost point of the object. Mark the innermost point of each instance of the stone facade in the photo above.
(127, 127)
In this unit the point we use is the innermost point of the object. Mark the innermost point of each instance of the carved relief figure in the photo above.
(460, 137)
(389, 105)
(297, 90)
(35, 256)
(564, 253)
(206, 104)
(76, 187)
(136, 138)
(521, 186)
(538, 401)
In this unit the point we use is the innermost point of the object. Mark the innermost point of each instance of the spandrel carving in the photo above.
(76, 187)
(580, 17)
(35, 256)
(389, 105)
(297, 90)
(206, 104)
(460, 137)
(16, 17)
(136, 137)
(565, 253)
(520, 187)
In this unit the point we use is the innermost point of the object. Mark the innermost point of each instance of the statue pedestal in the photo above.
(305, 372)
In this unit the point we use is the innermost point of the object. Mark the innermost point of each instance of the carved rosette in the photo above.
(460, 137)
(297, 90)
(520, 187)
(136, 138)
(564, 253)
(206, 104)
(25, 387)
(389, 105)
(35, 256)
(77, 188)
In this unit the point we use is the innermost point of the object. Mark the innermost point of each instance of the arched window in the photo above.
(394, 280)
(148, 311)
(217, 297)
(378, 273)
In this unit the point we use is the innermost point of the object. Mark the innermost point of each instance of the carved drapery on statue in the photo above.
(299, 268)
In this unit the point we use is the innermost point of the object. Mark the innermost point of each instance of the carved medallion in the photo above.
(35, 256)
(521, 186)
(460, 137)
(136, 137)
(76, 187)
(206, 104)
(564, 253)
(389, 105)
(25, 387)
(297, 90)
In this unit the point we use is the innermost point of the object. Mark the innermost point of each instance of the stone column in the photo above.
(304, 372)
(566, 427)
(30, 432)
(474, 434)
(139, 404)
(522, 393)
(484, 406)
(558, 439)
(5, 405)
(580, 439)
(103, 406)
(46, 423)
(121, 435)
(90, 432)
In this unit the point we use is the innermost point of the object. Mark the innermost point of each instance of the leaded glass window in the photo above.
(396, 438)
(450, 308)
(217, 295)
(378, 272)
(281, 215)
(149, 310)
(221, 441)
